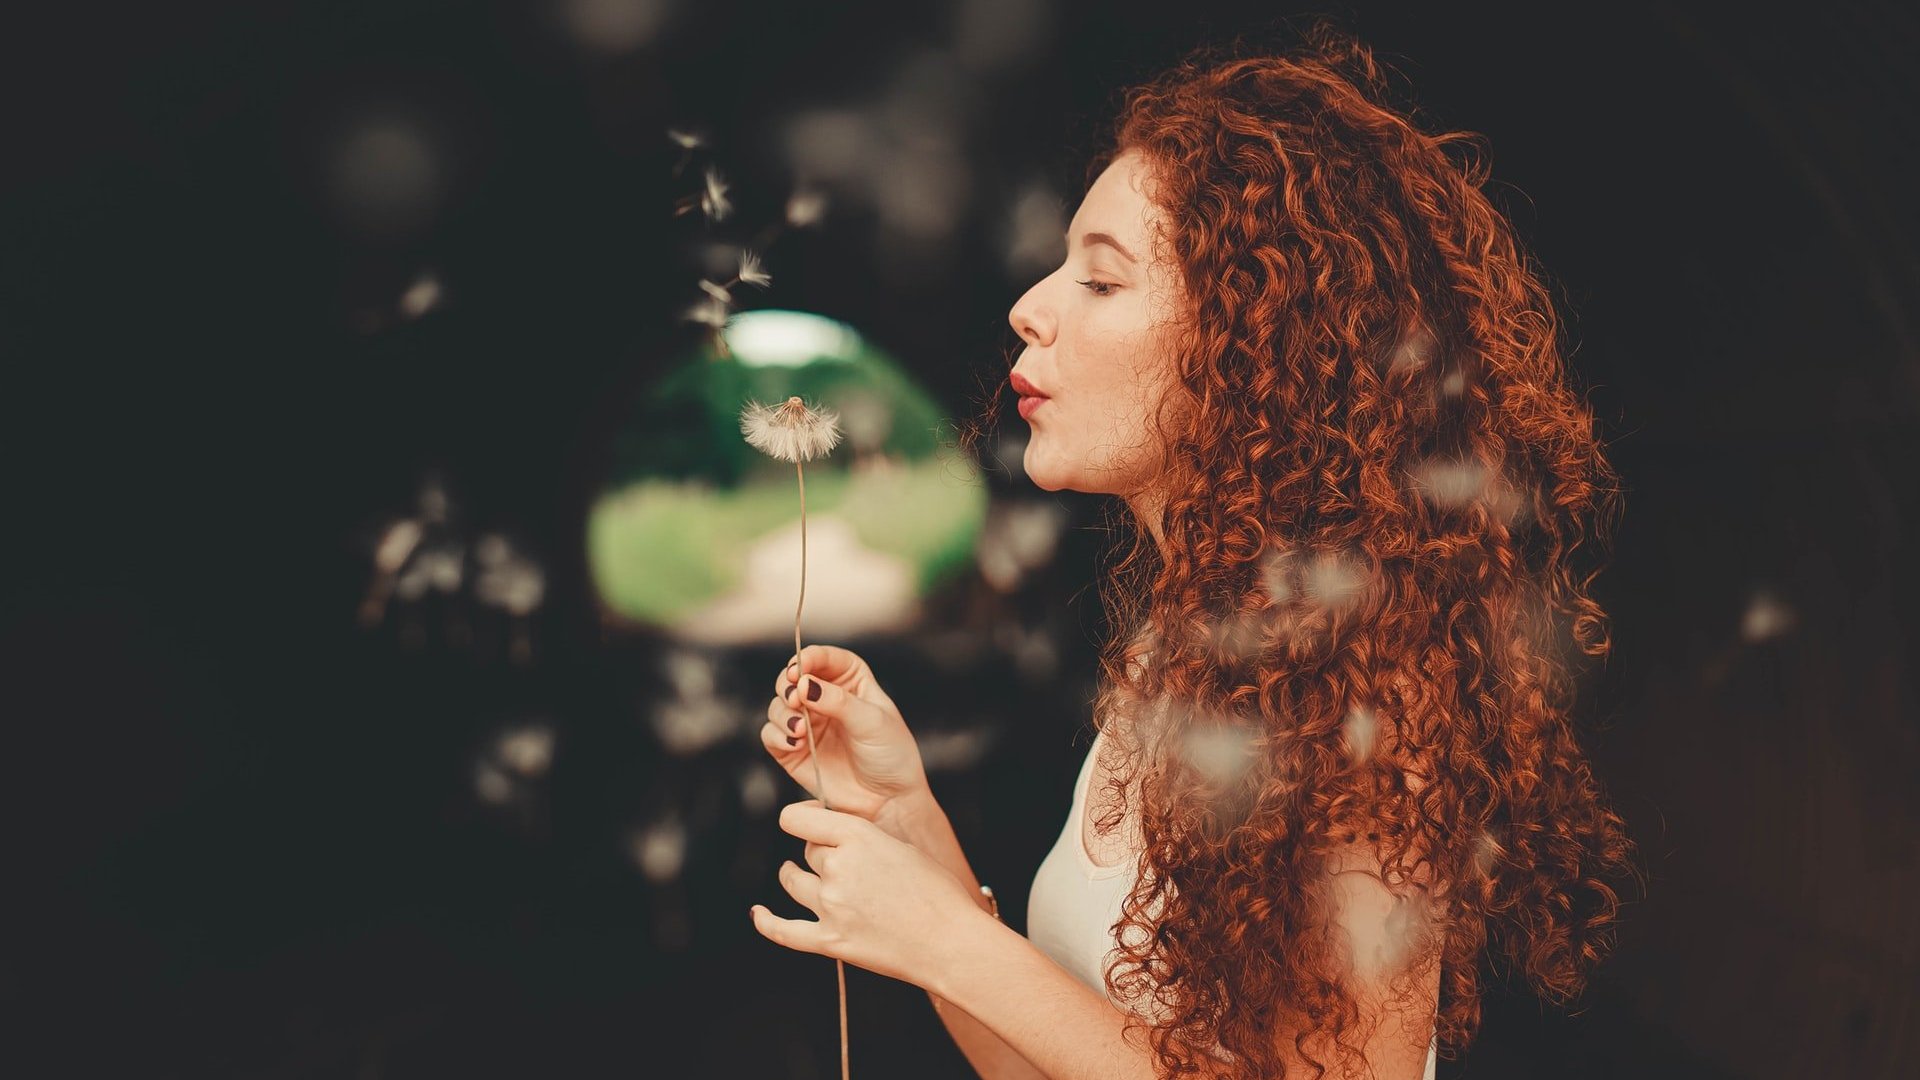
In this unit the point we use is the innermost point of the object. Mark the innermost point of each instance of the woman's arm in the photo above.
(922, 823)
(1071, 1031)
(1050, 1019)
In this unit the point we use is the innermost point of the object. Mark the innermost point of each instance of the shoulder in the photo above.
(1383, 923)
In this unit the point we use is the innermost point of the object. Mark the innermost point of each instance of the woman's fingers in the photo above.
(800, 885)
(786, 720)
(830, 662)
(834, 705)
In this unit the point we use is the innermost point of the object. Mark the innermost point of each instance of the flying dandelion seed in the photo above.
(1334, 579)
(750, 271)
(1362, 730)
(1273, 574)
(1397, 939)
(708, 312)
(1486, 853)
(1222, 754)
(1450, 484)
(491, 785)
(659, 849)
(806, 208)
(527, 751)
(1414, 351)
(1766, 617)
(1242, 636)
(421, 297)
(759, 789)
(1509, 505)
(713, 198)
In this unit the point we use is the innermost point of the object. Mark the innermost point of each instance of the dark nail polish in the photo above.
(788, 692)
(813, 690)
(791, 741)
(793, 724)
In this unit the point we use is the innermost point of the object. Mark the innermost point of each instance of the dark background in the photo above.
(240, 830)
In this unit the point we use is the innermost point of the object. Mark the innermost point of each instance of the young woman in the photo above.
(1295, 339)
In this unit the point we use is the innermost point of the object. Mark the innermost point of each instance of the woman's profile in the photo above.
(1336, 770)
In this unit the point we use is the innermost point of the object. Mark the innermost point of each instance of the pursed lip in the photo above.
(1024, 388)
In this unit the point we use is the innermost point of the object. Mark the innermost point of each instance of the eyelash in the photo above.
(1090, 283)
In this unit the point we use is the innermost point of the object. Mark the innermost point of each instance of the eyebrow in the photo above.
(1102, 238)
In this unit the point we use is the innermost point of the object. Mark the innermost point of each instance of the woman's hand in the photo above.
(882, 903)
(868, 759)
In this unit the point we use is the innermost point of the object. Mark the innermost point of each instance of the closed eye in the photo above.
(1094, 287)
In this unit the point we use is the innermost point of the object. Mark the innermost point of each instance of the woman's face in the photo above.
(1096, 332)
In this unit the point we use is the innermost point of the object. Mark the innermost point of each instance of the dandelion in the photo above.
(793, 432)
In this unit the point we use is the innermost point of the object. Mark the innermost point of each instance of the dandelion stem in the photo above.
(800, 471)
(839, 965)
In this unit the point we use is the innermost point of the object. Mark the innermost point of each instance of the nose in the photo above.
(1030, 318)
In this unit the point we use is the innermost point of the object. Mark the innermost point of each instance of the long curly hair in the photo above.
(1367, 623)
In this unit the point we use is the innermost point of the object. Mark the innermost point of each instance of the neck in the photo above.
(1146, 506)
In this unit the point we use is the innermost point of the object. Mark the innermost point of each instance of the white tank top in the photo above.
(1075, 902)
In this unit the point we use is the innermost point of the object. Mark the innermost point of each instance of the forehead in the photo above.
(1116, 202)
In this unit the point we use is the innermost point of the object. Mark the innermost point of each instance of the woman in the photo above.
(1292, 335)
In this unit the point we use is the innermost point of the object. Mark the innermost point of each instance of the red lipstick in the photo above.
(1030, 395)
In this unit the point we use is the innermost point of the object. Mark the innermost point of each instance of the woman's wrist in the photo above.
(915, 819)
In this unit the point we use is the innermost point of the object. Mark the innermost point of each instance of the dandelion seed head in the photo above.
(687, 140)
(790, 431)
(717, 291)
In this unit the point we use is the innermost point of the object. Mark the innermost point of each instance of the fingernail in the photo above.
(788, 692)
(813, 690)
(791, 741)
(793, 724)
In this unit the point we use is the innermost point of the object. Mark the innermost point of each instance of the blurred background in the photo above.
(394, 604)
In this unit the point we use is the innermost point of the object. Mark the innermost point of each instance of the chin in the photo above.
(1044, 476)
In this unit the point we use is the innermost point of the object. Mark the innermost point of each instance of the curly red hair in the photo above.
(1377, 483)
